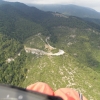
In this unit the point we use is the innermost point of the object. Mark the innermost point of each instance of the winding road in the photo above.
(41, 52)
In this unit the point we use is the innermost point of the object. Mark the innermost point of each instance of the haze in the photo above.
(94, 4)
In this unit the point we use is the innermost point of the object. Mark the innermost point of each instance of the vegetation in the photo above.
(78, 67)
(12, 61)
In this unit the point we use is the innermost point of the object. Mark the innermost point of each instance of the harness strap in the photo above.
(80, 96)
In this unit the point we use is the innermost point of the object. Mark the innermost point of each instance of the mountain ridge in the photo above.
(71, 10)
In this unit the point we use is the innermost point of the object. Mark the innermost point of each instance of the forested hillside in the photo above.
(12, 60)
(63, 51)
(15, 28)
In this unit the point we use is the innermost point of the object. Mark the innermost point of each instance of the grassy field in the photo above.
(78, 68)
(63, 71)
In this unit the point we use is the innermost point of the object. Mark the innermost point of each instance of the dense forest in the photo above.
(15, 28)
(11, 71)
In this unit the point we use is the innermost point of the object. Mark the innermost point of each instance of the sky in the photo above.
(94, 4)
